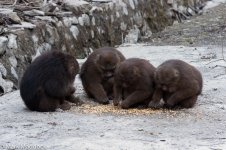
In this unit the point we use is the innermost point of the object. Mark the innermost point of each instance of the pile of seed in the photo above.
(110, 109)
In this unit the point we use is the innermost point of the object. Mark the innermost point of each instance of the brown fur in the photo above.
(48, 82)
(178, 83)
(97, 73)
(134, 83)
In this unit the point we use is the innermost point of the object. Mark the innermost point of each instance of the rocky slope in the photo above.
(206, 29)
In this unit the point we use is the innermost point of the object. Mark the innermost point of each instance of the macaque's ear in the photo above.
(117, 57)
(176, 73)
(97, 59)
(118, 64)
(136, 71)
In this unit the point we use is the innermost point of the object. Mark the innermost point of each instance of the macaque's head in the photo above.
(128, 75)
(71, 64)
(166, 77)
(107, 63)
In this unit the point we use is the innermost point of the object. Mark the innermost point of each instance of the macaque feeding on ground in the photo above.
(48, 82)
(97, 73)
(134, 83)
(178, 83)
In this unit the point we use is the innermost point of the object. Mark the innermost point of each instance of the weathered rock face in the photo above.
(76, 27)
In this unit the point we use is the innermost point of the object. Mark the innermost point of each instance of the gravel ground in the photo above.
(93, 126)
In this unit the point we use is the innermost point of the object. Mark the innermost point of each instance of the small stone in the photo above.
(14, 18)
(12, 43)
(49, 7)
(67, 22)
(74, 21)
(3, 44)
(35, 3)
(6, 85)
(77, 6)
(75, 31)
(3, 70)
(34, 12)
(64, 14)
(23, 25)
(45, 18)
(169, 1)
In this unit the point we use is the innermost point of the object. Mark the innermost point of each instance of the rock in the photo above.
(14, 73)
(3, 70)
(74, 21)
(13, 61)
(5, 11)
(67, 21)
(35, 3)
(15, 19)
(3, 44)
(64, 14)
(133, 36)
(9, 16)
(84, 20)
(95, 9)
(77, 6)
(12, 43)
(34, 12)
(5, 85)
(46, 18)
(27, 25)
(75, 32)
(49, 7)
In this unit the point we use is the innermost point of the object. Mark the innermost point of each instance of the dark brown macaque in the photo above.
(48, 82)
(97, 73)
(134, 83)
(178, 83)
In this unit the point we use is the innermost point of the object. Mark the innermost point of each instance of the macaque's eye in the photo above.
(109, 68)
(113, 67)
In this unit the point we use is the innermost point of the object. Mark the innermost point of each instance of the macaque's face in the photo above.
(107, 63)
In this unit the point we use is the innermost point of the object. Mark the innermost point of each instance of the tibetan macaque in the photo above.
(178, 83)
(97, 73)
(48, 82)
(134, 83)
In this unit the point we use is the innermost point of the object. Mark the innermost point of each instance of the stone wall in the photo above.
(77, 27)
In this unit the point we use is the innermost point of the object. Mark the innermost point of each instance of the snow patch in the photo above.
(214, 3)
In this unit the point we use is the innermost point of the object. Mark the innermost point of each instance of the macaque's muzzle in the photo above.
(164, 88)
(108, 74)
